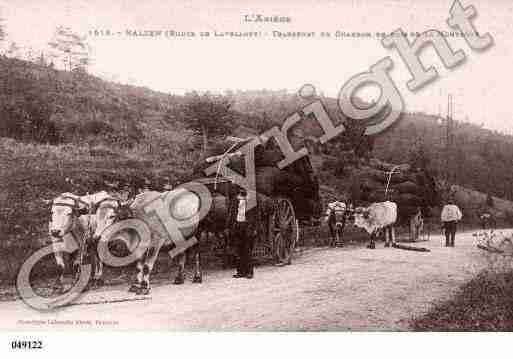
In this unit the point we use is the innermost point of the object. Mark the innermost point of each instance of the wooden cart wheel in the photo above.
(283, 230)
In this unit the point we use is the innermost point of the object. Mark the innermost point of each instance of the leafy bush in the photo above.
(95, 128)
(126, 134)
(28, 119)
(337, 166)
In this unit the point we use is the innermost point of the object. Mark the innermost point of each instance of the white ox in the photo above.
(376, 217)
(186, 206)
(71, 223)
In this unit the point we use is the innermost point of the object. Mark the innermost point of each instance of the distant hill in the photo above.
(82, 109)
(79, 106)
(480, 158)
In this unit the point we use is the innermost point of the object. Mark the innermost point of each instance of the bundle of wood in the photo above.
(297, 181)
(409, 188)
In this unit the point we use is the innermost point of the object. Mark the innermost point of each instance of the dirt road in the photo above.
(350, 288)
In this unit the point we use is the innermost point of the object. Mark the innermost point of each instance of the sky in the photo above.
(481, 86)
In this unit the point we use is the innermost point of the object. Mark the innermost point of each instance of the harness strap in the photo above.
(108, 199)
(101, 204)
(76, 200)
(109, 207)
(82, 201)
(81, 238)
(64, 205)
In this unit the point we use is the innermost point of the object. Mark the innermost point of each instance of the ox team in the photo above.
(373, 219)
(75, 218)
(79, 222)
(382, 216)
(82, 220)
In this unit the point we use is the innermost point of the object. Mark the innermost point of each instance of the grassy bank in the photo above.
(483, 304)
(32, 172)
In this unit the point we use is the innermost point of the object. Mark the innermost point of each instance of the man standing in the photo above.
(243, 237)
(416, 225)
(451, 214)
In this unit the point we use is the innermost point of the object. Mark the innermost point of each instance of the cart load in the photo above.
(411, 188)
(285, 197)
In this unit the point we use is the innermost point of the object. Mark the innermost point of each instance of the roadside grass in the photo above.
(30, 173)
(485, 303)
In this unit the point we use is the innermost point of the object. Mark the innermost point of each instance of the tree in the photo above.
(41, 60)
(418, 157)
(2, 30)
(70, 48)
(209, 115)
(354, 139)
(28, 116)
(262, 123)
(13, 50)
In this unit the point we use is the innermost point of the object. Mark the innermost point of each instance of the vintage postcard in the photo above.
(263, 166)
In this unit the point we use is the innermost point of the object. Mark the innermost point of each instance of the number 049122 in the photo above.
(26, 344)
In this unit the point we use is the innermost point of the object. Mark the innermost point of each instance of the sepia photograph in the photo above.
(255, 166)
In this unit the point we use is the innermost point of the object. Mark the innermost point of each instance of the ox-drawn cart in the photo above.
(285, 198)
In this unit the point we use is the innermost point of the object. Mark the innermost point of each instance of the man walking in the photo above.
(450, 216)
(243, 238)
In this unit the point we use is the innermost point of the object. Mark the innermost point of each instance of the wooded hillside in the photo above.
(69, 131)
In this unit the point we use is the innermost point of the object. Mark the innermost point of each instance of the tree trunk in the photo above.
(205, 138)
